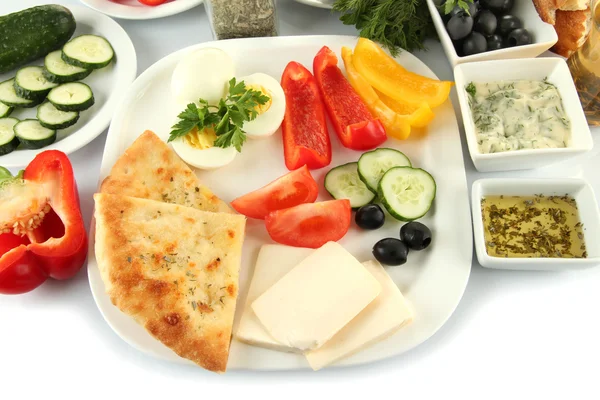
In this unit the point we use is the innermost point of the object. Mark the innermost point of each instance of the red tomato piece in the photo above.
(354, 124)
(305, 137)
(310, 225)
(293, 188)
(152, 2)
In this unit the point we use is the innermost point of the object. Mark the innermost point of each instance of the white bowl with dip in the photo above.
(578, 189)
(544, 36)
(557, 73)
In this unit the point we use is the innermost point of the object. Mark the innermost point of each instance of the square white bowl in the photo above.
(557, 72)
(578, 189)
(544, 36)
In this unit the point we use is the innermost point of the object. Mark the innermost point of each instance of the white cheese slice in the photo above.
(273, 262)
(317, 298)
(384, 316)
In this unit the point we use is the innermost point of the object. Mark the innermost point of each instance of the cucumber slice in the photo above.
(373, 164)
(407, 193)
(73, 96)
(52, 118)
(30, 83)
(33, 135)
(9, 97)
(5, 110)
(88, 51)
(58, 71)
(342, 182)
(8, 140)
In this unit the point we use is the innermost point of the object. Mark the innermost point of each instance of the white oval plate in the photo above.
(108, 84)
(133, 9)
(317, 3)
(432, 280)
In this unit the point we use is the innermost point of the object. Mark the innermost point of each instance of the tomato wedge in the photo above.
(294, 188)
(152, 2)
(310, 225)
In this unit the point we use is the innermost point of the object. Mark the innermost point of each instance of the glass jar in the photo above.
(231, 19)
(585, 68)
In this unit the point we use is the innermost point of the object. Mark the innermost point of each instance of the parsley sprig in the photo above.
(227, 118)
(450, 4)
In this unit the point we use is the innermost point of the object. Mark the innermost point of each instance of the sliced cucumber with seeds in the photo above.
(373, 164)
(343, 183)
(58, 71)
(407, 193)
(30, 83)
(9, 97)
(52, 118)
(5, 110)
(8, 140)
(33, 135)
(73, 96)
(88, 51)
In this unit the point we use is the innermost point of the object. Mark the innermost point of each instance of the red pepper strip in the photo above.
(58, 247)
(354, 124)
(305, 137)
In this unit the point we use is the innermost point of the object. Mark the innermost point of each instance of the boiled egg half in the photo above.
(202, 74)
(270, 115)
(197, 149)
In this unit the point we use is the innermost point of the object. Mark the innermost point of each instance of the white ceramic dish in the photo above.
(589, 215)
(318, 3)
(557, 72)
(133, 9)
(544, 36)
(108, 84)
(432, 280)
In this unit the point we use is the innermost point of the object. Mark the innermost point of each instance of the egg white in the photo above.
(211, 158)
(267, 123)
(203, 73)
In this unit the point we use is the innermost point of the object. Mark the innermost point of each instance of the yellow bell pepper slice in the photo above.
(420, 116)
(396, 126)
(389, 77)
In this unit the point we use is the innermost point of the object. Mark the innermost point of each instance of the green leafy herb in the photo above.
(450, 4)
(227, 118)
(471, 89)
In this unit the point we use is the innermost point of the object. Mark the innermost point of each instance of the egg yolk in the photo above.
(203, 139)
(262, 108)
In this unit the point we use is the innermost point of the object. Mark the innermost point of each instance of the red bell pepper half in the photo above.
(305, 137)
(354, 124)
(42, 234)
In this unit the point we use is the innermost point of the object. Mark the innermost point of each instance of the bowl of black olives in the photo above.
(490, 29)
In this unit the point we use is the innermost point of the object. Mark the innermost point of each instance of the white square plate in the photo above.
(557, 73)
(578, 189)
(544, 36)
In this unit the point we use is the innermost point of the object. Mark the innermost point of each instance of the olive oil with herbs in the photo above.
(532, 227)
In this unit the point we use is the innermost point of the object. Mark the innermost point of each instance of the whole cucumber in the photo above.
(30, 34)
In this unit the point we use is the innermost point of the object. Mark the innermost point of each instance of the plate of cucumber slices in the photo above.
(58, 89)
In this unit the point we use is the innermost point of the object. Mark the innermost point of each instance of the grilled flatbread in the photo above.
(149, 169)
(174, 269)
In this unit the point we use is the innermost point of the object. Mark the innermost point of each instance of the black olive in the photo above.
(390, 251)
(416, 235)
(459, 26)
(519, 37)
(459, 10)
(507, 24)
(485, 23)
(498, 6)
(370, 217)
(494, 42)
(475, 43)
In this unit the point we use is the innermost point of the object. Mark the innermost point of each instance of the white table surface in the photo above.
(514, 335)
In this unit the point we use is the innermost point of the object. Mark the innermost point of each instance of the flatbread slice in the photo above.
(150, 169)
(174, 269)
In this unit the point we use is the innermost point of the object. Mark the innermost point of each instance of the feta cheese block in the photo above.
(384, 316)
(317, 298)
(273, 262)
